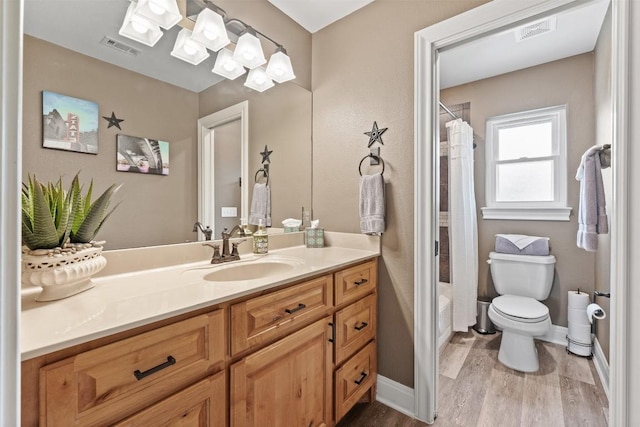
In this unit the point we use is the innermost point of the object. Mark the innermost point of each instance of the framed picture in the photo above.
(142, 155)
(69, 124)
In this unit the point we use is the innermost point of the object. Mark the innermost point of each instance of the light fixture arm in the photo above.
(247, 28)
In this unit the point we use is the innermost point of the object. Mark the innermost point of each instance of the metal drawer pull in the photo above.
(293, 310)
(364, 375)
(140, 375)
(362, 326)
(360, 282)
(333, 333)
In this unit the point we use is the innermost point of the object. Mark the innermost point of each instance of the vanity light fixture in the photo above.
(139, 28)
(187, 49)
(279, 67)
(258, 80)
(226, 66)
(248, 50)
(212, 30)
(164, 13)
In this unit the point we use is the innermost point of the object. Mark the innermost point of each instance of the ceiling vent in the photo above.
(535, 29)
(115, 44)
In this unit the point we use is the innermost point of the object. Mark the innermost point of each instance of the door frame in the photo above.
(474, 23)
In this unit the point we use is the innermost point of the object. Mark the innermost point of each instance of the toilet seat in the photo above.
(520, 309)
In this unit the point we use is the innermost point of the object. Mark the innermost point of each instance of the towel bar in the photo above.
(368, 156)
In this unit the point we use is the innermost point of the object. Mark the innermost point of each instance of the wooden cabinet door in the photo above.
(204, 404)
(287, 384)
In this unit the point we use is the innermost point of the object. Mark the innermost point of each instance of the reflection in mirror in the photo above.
(155, 209)
(222, 173)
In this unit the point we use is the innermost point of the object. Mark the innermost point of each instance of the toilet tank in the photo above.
(522, 275)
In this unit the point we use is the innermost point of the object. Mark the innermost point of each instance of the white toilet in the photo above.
(522, 282)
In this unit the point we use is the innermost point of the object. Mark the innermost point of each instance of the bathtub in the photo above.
(445, 330)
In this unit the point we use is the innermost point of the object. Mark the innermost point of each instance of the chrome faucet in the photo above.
(207, 231)
(226, 235)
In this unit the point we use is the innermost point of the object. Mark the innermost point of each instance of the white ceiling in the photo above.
(314, 15)
(79, 25)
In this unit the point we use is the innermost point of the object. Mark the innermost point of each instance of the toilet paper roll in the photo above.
(578, 317)
(579, 300)
(580, 333)
(594, 311)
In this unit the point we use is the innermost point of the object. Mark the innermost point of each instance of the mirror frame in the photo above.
(206, 157)
(474, 23)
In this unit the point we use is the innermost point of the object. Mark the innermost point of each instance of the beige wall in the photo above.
(363, 72)
(155, 209)
(604, 136)
(570, 82)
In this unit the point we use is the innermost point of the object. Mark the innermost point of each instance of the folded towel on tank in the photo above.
(520, 244)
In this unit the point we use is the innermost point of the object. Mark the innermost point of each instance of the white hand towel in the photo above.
(521, 240)
(592, 214)
(372, 204)
(260, 205)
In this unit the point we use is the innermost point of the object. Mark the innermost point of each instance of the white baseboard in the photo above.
(401, 398)
(602, 366)
(556, 335)
(395, 395)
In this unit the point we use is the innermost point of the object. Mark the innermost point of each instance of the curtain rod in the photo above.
(448, 111)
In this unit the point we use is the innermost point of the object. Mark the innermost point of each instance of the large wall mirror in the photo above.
(157, 97)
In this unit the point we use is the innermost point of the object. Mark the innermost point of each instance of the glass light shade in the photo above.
(187, 49)
(279, 68)
(210, 30)
(249, 51)
(226, 66)
(138, 28)
(164, 13)
(258, 80)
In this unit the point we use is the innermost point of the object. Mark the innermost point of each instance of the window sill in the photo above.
(527, 214)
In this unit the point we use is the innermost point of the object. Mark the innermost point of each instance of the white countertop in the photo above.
(120, 302)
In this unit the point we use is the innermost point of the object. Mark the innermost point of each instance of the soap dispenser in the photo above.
(260, 239)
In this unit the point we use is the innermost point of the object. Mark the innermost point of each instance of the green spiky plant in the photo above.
(52, 216)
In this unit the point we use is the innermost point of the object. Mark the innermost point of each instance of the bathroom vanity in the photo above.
(168, 344)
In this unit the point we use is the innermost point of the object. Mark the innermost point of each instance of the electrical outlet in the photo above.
(306, 215)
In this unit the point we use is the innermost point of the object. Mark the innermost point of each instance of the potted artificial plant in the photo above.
(58, 230)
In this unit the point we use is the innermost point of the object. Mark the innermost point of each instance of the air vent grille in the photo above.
(115, 44)
(535, 29)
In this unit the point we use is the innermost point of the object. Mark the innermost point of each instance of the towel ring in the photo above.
(265, 173)
(375, 157)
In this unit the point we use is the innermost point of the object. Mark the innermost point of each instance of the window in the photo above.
(526, 166)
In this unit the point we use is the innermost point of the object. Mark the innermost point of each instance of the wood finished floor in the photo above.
(477, 390)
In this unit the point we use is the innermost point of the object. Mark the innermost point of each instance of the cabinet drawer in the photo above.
(108, 383)
(271, 316)
(355, 326)
(354, 378)
(355, 282)
(204, 404)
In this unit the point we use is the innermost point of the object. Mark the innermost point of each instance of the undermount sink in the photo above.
(243, 270)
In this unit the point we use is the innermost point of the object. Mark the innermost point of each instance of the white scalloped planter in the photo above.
(62, 275)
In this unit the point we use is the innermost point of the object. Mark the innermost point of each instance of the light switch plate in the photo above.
(229, 212)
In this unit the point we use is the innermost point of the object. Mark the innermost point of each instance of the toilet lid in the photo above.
(522, 308)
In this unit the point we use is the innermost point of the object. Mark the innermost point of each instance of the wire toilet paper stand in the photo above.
(580, 348)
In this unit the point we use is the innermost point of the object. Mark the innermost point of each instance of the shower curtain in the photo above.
(463, 225)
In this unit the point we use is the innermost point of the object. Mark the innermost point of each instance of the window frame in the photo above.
(554, 210)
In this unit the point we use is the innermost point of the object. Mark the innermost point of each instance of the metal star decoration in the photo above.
(113, 120)
(375, 134)
(265, 155)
